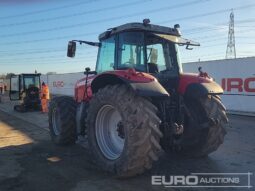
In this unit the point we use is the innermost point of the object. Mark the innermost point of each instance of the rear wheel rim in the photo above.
(55, 120)
(109, 132)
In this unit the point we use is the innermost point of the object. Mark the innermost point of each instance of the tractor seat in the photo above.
(33, 93)
(153, 68)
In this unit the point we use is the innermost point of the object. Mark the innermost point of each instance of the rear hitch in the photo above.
(178, 129)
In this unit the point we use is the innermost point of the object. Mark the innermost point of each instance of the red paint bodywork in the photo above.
(129, 75)
(188, 78)
(132, 76)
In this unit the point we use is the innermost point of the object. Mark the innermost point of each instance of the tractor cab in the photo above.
(26, 88)
(141, 46)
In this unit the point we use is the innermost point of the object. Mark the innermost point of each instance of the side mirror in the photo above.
(71, 49)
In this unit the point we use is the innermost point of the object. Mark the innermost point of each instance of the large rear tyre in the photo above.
(204, 129)
(123, 131)
(62, 124)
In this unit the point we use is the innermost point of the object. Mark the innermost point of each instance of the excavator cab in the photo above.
(26, 88)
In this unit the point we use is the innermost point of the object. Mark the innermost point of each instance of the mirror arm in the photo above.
(87, 42)
(188, 48)
(188, 45)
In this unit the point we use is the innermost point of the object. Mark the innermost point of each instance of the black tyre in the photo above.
(123, 131)
(62, 125)
(204, 129)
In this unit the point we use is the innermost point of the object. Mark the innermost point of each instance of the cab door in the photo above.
(15, 88)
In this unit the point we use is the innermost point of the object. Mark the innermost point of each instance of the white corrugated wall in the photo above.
(237, 76)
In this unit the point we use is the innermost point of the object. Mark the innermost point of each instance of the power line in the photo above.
(50, 61)
(36, 52)
(56, 38)
(75, 14)
(104, 20)
(41, 58)
(198, 29)
(33, 51)
(44, 57)
(49, 39)
(42, 49)
(82, 34)
(27, 50)
(208, 13)
(217, 37)
(49, 10)
(59, 57)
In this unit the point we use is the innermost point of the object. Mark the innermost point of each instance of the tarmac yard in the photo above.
(30, 161)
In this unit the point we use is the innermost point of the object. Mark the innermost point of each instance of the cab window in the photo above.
(31, 81)
(155, 55)
(106, 55)
(131, 51)
(161, 54)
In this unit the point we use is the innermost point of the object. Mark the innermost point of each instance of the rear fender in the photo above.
(202, 89)
(141, 83)
(194, 85)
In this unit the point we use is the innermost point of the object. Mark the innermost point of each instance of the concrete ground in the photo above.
(29, 160)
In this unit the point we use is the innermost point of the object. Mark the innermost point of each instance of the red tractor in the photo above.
(138, 102)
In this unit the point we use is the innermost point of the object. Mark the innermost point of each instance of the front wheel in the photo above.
(123, 131)
(204, 127)
(62, 125)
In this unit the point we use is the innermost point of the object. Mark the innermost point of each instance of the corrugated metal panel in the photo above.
(62, 84)
(237, 77)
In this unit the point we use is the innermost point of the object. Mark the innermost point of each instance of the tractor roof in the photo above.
(140, 27)
(30, 74)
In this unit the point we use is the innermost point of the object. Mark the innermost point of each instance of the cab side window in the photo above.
(155, 55)
(106, 55)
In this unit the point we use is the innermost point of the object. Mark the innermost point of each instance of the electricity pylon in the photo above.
(231, 48)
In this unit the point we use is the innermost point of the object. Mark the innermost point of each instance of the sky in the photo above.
(34, 33)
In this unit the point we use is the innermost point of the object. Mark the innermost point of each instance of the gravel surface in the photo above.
(29, 160)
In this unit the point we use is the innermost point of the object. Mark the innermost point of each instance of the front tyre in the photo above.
(62, 125)
(123, 131)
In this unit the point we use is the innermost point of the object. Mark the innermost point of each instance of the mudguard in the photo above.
(142, 85)
(203, 89)
(150, 89)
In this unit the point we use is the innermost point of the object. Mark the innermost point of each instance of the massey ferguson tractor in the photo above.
(138, 102)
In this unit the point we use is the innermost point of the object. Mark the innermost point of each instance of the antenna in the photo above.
(231, 48)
